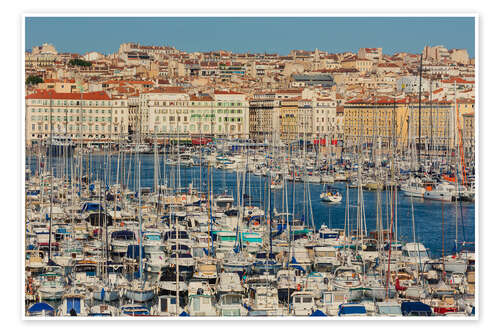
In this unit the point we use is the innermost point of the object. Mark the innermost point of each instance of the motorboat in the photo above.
(326, 259)
(140, 291)
(152, 242)
(303, 303)
(265, 299)
(206, 270)
(346, 278)
(413, 188)
(330, 196)
(52, 286)
(415, 255)
(443, 192)
(120, 240)
(103, 310)
(231, 304)
(228, 283)
(202, 306)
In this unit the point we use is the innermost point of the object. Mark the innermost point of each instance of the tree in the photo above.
(80, 62)
(33, 80)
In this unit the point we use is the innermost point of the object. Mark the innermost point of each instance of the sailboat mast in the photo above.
(420, 109)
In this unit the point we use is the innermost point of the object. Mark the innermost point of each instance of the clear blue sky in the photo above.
(254, 34)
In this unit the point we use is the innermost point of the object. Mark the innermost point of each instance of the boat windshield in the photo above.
(231, 300)
(389, 310)
(153, 237)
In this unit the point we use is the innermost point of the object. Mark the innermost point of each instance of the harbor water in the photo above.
(434, 220)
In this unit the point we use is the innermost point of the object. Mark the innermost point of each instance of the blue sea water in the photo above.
(455, 220)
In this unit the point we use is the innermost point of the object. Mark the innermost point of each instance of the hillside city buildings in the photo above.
(160, 92)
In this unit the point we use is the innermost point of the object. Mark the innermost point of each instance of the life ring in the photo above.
(183, 198)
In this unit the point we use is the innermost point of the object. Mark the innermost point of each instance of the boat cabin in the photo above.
(388, 309)
(167, 305)
(202, 305)
(302, 303)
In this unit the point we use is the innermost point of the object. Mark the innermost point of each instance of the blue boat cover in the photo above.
(184, 314)
(91, 207)
(349, 308)
(318, 313)
(73, 303)
(39, 307)
(415, 307)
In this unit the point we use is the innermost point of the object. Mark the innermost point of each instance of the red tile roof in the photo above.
(51, 94)
(457, 80)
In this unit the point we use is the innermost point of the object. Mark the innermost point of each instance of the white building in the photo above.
(92, 117)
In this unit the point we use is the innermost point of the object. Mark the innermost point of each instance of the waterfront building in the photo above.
(384, 121)
(232, 114)
(289, 116)
(264, 112)
(78, 116)
(172, 111)
(469, 135)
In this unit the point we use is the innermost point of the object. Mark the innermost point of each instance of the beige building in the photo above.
(264, 112)
(290, 128)
(374, 54)
(171, 112)
(60, 86)
(469, 135)
(380, 120)
(85, 117)
(361, 64)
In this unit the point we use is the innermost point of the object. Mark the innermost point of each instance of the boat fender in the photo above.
(298, 287)
(325, 280)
